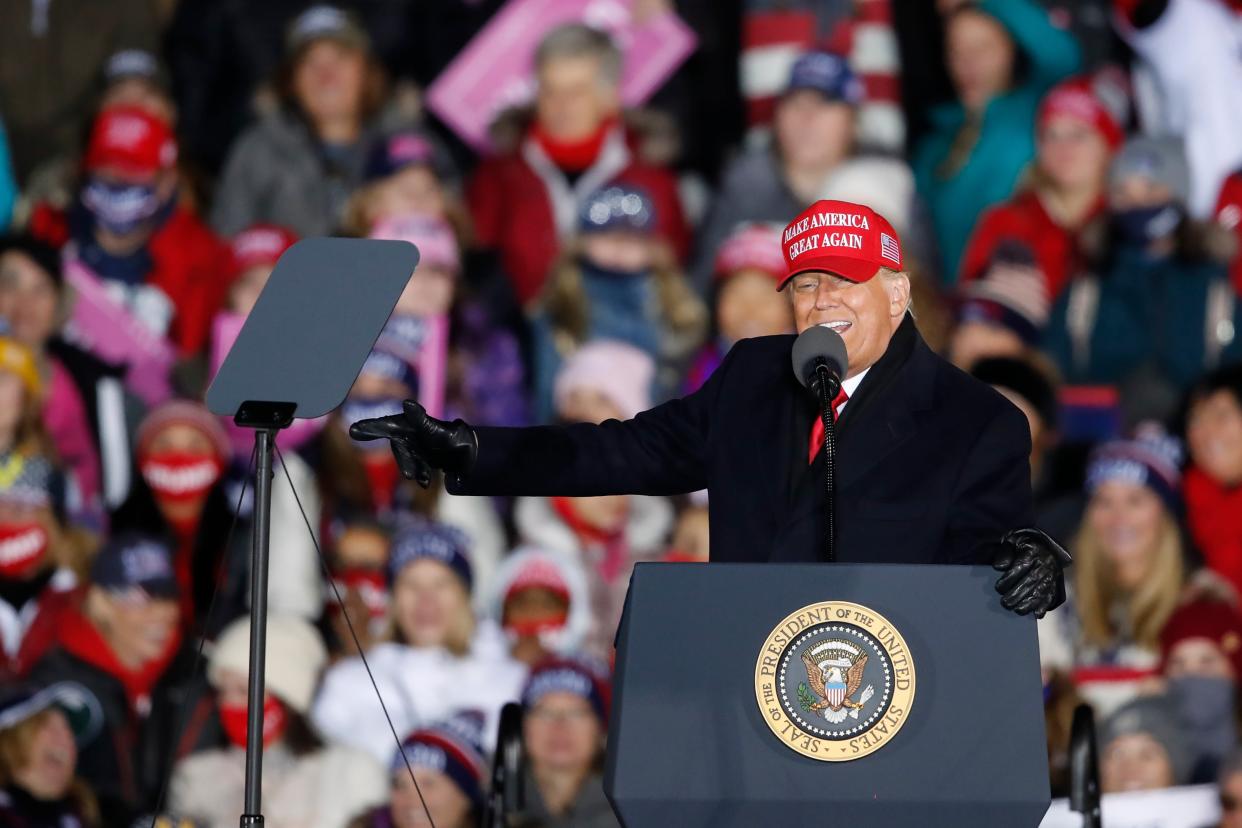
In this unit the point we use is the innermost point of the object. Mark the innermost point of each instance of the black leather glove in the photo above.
(422, 443)
(1032, 565)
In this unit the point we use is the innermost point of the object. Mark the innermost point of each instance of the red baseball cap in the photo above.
(1077, 99)
(260, 244)
(839, 237)
(132, 140)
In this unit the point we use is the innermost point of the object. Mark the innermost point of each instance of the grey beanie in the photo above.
(1155, 716)
(1162, 160)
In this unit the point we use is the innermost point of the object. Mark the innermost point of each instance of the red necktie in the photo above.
(817, 428)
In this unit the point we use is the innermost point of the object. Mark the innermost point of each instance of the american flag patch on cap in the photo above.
(889, 248)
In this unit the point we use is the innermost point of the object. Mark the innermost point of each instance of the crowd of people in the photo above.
(1066, 178)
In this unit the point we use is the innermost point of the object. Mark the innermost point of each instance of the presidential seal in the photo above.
(835, 681)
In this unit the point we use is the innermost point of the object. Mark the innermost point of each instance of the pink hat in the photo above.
(752, 247)
(619, 371)
(184, 412)
(437, 246)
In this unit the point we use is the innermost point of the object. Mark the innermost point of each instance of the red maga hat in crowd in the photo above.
(132, 140)
(848, 240)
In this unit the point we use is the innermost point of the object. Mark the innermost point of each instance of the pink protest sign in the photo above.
(494, 71)
(104, 327)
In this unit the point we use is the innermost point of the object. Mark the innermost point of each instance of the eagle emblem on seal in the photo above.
(834, 671)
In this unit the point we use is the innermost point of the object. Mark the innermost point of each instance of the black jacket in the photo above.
(932, 465)
(127, 762)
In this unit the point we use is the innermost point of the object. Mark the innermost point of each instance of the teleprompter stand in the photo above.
(298, 354)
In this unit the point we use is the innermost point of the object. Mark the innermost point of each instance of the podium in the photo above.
(849, 694)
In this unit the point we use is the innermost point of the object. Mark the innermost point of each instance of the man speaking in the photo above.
(932, 465)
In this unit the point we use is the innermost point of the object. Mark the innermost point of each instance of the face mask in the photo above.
(22, 546)
(275, 722)
(590, 268)
(120, 208)
(1143, 225)
(536, 626)
(1203, 701)
(363, 408)
(372, 587)
(181, 476)
(383, 475)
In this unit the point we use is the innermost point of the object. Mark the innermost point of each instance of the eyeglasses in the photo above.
(1229, 803)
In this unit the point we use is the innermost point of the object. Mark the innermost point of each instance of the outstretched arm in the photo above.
(660, 452)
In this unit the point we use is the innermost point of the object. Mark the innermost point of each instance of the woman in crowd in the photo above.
(619, 281)
(748, 267)
(1213, 489)
(406, 172)
(33, 303)
(813, 131)
(297, 166)
(1002, 57)
(1201, 660)
(1076, 134)
(305, 783)
(603, 380)
(1142, 748)
(1128, 573)
(181, 453)
(448, 765)
(1003, 313)
(122, 643)
(1156, 308)
(41, 563)
(542, 602)
(440, 660)
(359, 563)
(566, 704)
(40, 731)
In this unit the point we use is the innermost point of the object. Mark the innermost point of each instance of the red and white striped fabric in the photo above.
(772, 41)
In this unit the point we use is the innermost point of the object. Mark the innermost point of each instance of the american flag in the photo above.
(889, 249)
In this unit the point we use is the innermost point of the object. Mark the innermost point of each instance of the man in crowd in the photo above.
(932, 466)
(525, 202)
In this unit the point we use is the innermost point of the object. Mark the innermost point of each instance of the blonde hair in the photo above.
(1147, 608)
(15, 745)
(565, 300)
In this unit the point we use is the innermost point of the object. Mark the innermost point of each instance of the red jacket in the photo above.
(514, 211)
(190, 267)
(1229, 214)
(1023, 219)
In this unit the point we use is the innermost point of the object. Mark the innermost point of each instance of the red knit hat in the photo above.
(184, 412)
(132, 140)
(1215, 621)
(260, 244)
(839, 237)
(1077, 98)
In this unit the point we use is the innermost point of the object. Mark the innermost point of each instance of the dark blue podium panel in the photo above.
(689, 744)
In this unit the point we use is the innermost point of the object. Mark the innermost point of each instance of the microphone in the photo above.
(818, 348)
(819, 362)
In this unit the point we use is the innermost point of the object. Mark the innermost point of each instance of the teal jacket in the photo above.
(1006, 140)
(1152, 317)
(8, 184)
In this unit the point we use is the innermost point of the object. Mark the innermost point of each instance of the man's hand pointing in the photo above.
(421, 442)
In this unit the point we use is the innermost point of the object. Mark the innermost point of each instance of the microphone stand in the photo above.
(507, 795)
(1084, 768)
(826, 387)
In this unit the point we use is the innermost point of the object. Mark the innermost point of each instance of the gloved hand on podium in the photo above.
(1032, 566)
(421, 443)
